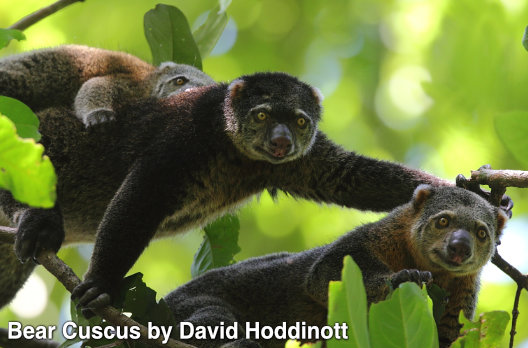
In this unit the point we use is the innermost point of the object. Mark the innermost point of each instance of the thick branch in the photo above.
(505, 178)
(69, 279)
(36, 16)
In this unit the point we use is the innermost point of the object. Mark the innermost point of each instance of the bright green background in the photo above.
(420, 82)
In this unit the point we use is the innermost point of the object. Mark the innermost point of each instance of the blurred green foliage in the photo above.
(420, 82)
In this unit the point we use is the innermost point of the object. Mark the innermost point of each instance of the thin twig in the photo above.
(520, 279)
(515, 314)
(44, 12)
(69, 279)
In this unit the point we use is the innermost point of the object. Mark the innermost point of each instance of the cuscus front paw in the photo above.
(98, 116)
(38, 230)
(91, 296)
(411, 275)
(506, 203)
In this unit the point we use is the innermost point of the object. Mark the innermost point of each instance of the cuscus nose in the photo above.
(280, 141)
(459, 246)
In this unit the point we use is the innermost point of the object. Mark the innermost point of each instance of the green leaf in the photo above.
(512, 128)
(486, 332)
(137, 299)
(169, 36)
(492, 328)
(24, 170)
(347, 303)
(207, 34)
(26, 122)
(80, 320)
(218, 246)
(439, 297)
(140, 300)
(403, 321)
(224, 4)
(6, 35)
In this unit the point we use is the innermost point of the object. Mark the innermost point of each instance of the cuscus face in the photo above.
(175, 78)
(272, 116)
(459, 232)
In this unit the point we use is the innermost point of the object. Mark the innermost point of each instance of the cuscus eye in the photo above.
(261, 116)
(301, 122)
(180, 80)
(481, 233)
(443, 222)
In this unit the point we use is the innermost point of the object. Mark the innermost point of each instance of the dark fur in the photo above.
(293, 287)
(176, 164)
(91, 79)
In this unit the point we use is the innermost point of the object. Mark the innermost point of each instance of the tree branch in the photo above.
(69, 279)
(498, 180)
(515, 314)
(44, 12)
(504, 178)
(514, 273)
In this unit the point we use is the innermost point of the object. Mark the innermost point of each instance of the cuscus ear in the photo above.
(501, 222)
(167, 66)
(421, 195)
(318, 95)
(235, 88)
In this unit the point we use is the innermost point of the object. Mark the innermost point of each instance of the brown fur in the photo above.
(294, 287)
(92, 80)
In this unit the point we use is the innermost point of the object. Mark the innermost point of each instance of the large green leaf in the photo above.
(485, 332)
(492, 327)
(403, 320)
(6, 35)
(26, 122)
(23, 169)
(207, 34)
(512, 129)
(218, 246)
(347, 303)
(169, 36)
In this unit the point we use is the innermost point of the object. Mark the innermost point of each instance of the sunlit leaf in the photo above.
(492, 328)
(218, 246)
(512, 129)
(207, 34)
(6, 35)
(224, 4)
(169, 36)
(485, 332)
(23, 169)
(26, 122)
(347, 303)
(403, 320)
